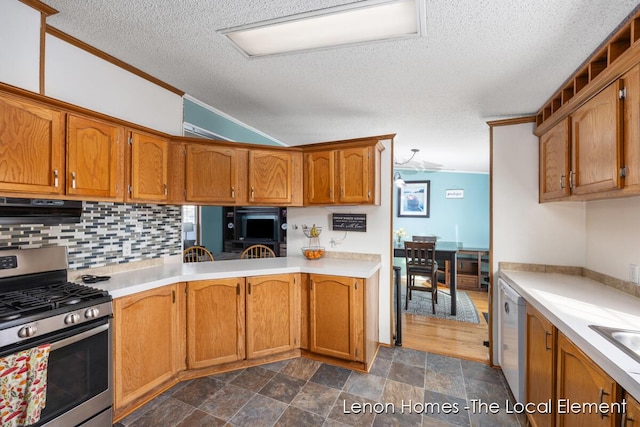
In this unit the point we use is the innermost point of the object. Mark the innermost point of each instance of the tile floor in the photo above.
(404, 388)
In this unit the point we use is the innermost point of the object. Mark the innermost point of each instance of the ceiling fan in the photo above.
(413, 165)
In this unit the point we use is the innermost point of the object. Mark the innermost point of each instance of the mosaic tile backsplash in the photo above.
(153, 230)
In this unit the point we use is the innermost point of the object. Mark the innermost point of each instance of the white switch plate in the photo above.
(126, 248)
(634, 272)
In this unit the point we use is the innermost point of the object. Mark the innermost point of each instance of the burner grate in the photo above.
(15, 304)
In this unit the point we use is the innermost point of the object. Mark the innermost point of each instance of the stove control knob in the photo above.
(92, 313)
(27, 331)
(72, 318)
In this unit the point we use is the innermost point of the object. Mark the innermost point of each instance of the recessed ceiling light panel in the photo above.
(356, 23)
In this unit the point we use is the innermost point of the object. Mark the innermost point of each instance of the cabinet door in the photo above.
(215, 322)
(540, 365)
(270, 177)
(332, 307)
(31, 147)
(272, 320)
(320, 177)
(554, 162)
(632, 415)
(211, 174)
(149, 168)
(596, 143)
(355, 177)
(146, 342)
(95, 166)
(580, 380)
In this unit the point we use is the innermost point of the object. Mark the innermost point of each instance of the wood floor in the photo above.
(448, 337)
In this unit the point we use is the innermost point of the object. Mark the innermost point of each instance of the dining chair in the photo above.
(258, 251)
(196, 253)
(420, 260)
(424, 238)
(442, 269)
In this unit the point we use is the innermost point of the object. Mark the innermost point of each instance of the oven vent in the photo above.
(19, 210)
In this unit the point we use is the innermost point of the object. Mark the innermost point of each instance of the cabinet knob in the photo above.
(233, 192)
(55, 178)
(73, 180)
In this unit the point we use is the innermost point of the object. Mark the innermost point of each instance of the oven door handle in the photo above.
(79, 337)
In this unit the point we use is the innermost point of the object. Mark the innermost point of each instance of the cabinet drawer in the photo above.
(466, 281)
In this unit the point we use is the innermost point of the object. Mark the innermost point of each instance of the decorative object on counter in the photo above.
(400, 234)
(197, 254)
(257, 251)
(413, 199)
(314, 250)
(420, 304)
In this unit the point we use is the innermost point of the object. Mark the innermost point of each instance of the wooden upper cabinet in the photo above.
(581, 380)
(149, 159)
(343, 173)
(95, 166)
(272, 315)
(596, 143)
(212, 174)
(356, 175)
(270, 177)
(555, 162)
(31, 147)
(320, 177)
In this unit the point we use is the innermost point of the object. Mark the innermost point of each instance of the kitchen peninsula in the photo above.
(180, 321)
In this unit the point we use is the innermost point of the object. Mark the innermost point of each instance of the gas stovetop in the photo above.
(47, 298)
(36, 297)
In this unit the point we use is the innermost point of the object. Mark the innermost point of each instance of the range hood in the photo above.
(18, 210)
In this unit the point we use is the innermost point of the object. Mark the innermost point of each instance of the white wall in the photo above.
(376, 240)
(80, 78)
(19, 45)
(613, 236)
(524, 230)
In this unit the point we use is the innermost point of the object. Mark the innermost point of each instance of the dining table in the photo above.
(445, 251)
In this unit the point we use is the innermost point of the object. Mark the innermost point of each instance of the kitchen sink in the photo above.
(627, 340)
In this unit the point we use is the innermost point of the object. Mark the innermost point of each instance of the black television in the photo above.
(259, 227)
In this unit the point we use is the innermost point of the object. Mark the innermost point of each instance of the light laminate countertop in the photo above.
(134, 281)
(572, 303)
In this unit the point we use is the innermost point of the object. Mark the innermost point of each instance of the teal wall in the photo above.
(206, 119)
(211, 227)
(464, 220)
(211, 216)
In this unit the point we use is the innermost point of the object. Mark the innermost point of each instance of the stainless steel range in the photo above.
(38, 305)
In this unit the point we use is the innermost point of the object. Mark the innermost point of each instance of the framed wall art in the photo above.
(413, 199)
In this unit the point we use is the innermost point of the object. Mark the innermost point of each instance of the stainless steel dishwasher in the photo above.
(511, 338)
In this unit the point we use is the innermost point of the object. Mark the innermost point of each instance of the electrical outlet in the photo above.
(126, 248)
(634, 273)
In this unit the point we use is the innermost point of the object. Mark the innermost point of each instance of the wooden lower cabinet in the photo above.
(271, 318)
(215, 322)
(336, 311)
(148, 342)
(631, 418)
(581, 381)
(540, 365)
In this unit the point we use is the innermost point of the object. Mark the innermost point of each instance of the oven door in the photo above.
(79, 376)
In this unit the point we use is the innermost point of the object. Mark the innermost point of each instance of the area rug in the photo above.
(420, 303)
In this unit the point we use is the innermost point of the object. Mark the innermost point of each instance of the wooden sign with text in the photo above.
(349, 222)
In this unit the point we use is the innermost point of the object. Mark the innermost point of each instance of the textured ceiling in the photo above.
(480, 60)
